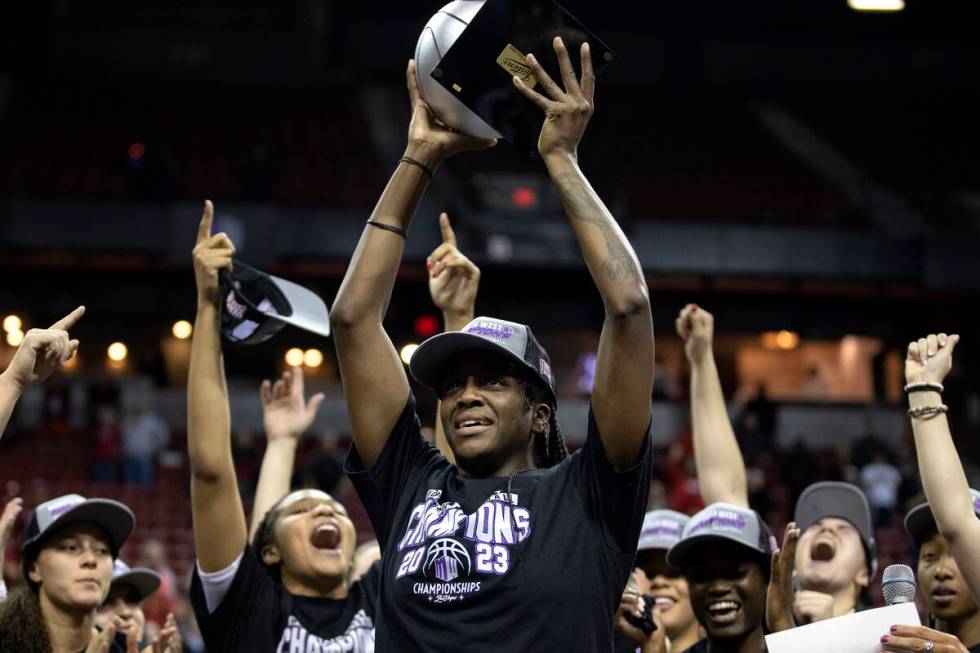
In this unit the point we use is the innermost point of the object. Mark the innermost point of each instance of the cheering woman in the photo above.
(516, 547)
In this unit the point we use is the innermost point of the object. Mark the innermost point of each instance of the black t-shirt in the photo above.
(467, 568)
(974, 649)
(258, 614)
(702, 647)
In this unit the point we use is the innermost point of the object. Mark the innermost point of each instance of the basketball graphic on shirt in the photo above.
(444, 557)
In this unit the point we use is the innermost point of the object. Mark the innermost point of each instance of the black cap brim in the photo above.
(113, 517)
(144, 581)
(680, 556)
(431, 356)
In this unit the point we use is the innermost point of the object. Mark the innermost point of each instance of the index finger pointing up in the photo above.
(204, 230)
(448, 235)
(69, 320)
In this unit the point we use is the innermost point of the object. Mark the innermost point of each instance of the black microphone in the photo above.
(898, 584)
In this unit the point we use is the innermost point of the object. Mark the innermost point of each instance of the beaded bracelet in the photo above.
(926, 412)
(923, 386)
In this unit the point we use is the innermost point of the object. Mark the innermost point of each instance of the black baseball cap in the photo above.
(142, 580)
(841, 500)
(256, 305)
(479, 66)
(920, 519)
(113, 517)
(512, 340)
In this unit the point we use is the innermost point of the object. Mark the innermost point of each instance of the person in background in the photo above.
(835, 555)
(290, 586)
(946, 529)
(129, 588)
(163, 602)
(144, 435)
(952, 614)
(725, 555)
(664, 586)
(928, 362)
(880, 480)
(108, 445)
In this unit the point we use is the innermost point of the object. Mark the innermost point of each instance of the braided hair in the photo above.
(549, 445)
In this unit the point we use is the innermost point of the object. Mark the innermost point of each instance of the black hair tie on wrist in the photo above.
(426, 169)
(387, 227)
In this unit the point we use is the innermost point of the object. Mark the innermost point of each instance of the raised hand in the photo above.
(912, 639)
(453, 279)
(7, 519)
(567, 110)
(696, 327)
(436, 141)
(285, 412)
(102, 642)
(167, 640)
(633, 602)
(211, 255)
(930, 358)
(810, 606)
(42, 352)
(779, 597)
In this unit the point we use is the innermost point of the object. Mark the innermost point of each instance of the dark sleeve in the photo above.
(370, 586)
(253, 598)
(405, 460)
(615, 499)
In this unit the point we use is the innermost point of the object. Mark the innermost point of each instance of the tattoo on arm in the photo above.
(581, 205)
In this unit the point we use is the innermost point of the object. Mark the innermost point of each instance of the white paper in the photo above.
(858, 632)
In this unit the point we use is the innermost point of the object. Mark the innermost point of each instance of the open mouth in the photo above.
(724, 613)
(663, 603)
(326, 537)
(823, 551)
(472, 426)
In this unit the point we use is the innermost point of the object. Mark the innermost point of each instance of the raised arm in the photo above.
(453, 283)
(375, 385)
(721, 469)
(40, 353)
(287, 416)
(624, 363)
(928, 362)
(216, 507)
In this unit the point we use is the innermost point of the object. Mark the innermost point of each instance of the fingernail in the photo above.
(884, 639)
(894, 628)
(428, 265)
(530, 57)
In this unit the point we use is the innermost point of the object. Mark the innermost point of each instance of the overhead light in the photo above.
(787, 340)
(117, 352)
(294, 357)
(407, 351)
(12, 323)
(876, 5)
(182, 329)
(313, 358)
(15, 337)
